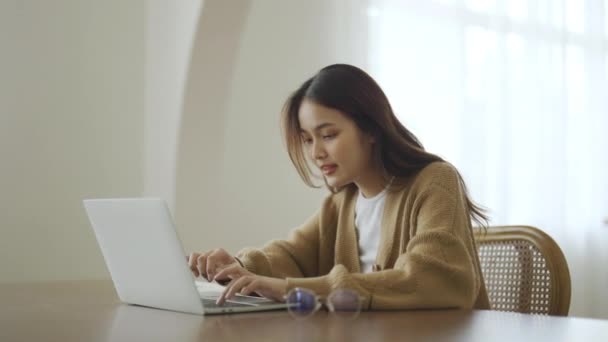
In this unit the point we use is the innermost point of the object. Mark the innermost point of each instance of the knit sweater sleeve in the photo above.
(296, 256)
(437, 268)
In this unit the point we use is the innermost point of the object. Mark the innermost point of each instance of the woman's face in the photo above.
(335, 144)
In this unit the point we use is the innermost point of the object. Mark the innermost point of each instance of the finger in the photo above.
(250, 288)
(222, 298)
(213, 261)
(238, 285)
(229, 292)
(229, 272)
(232, 289)
(192, 263)
(201, 264)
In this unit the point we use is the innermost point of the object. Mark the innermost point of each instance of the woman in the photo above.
(397, 226)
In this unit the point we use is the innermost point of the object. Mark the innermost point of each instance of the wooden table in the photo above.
(90, 311)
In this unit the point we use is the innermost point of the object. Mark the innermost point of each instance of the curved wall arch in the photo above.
(201, 131)
(235, 184)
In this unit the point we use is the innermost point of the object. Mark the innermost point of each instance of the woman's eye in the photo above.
(307, 141)
(329, 136)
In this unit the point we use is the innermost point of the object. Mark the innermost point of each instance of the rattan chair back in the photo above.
(524, 270)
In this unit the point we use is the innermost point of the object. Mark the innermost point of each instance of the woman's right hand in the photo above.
(210, 263)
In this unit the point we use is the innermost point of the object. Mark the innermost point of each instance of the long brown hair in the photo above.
(353, 92)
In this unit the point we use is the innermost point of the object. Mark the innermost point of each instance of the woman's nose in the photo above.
(318, 150)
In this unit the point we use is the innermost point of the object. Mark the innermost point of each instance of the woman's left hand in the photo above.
(272, 288)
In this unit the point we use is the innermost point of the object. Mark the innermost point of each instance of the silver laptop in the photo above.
(148, 264)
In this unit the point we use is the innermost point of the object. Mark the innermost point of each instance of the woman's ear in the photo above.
(367, 137)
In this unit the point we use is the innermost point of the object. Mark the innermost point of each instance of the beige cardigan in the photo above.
(426, 258)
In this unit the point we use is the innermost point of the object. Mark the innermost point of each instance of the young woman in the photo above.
(396, 227)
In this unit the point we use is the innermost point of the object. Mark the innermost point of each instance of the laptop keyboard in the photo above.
(238, 301)
(210, 303)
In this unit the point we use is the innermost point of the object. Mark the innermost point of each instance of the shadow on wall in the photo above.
(206, 95)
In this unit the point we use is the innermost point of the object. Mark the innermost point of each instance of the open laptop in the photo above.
(148, 264)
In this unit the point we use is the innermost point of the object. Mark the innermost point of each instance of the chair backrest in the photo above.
(524, 270)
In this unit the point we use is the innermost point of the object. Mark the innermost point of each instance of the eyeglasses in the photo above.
(303, 303)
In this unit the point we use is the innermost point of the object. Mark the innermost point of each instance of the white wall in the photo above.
(178, 100)
(71, 112)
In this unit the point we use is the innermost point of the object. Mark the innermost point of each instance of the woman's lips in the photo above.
(329, 169)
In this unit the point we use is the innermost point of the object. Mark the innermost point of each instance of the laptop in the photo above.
(147, 263)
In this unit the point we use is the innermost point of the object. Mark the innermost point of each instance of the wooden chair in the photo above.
(524, 270)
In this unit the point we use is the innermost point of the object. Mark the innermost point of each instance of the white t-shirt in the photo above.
(368, 220)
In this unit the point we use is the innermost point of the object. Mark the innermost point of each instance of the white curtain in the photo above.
(515, 94)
